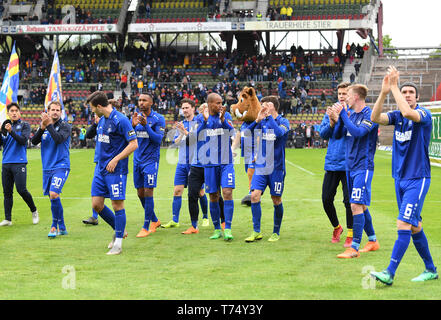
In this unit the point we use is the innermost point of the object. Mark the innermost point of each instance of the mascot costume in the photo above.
(246, 110)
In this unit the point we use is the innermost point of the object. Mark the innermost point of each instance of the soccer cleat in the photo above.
(5, 223)
(274, 237)
(191, 230)
(255, 236)
(371, 246)
(53, 233)
(91, 221)
(348, 242)
(246, 201)
(205, 222)
(35, 218)
(114, 250)
(62, 233)
(216, 235)
(154, 225)
(336, 234)
(170, 224)
(227, 235)
(425, 276)
(383, 276)
(349, 254)
(143, 233)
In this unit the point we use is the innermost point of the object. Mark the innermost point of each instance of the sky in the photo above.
(412, 23)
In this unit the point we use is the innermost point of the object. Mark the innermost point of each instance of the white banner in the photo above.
(179, 27)
(211, 26)
(59, 29)
(287, 25)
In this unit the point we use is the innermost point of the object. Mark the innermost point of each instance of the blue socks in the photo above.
(400, 247)
(256, 211)
(94, 214)
(120, 223)
(278, 215)
(148, 211)
(422, 246)
(368, 226)
(228, 212)
(176, 207)
(108, 216)
(358, 227)
(57, 214)
(204, 206)
(215, 214)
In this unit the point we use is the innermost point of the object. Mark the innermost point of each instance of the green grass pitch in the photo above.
(168, 265)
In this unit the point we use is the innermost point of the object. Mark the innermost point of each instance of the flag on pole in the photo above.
(53, 92)
(9, 89)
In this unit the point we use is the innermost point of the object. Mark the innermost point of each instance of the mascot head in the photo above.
(248, 106)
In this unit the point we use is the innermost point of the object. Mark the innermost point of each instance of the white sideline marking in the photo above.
(299, 167)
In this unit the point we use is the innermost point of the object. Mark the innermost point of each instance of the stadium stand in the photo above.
(305, 80)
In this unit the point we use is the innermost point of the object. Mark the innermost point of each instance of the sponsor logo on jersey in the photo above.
(104, 138)
(403, 136)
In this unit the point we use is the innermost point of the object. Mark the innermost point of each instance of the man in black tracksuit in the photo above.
(14, 138)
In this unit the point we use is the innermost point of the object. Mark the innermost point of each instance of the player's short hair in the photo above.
(97, 98)
(12, 104)
(359, 89)
(57, 103)
(343, 85)
(189, 101)
(410, 84)
(273, 99)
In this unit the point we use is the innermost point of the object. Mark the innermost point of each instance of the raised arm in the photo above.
(377, 115)
(406, 110)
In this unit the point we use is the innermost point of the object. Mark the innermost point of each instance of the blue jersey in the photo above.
(273, 135)
(15, 143)
(187, 144)
(410, 153)
(247, 141)
(149, 139)
(55, 141)
(215, 136)
(114, 134)
(361, 139)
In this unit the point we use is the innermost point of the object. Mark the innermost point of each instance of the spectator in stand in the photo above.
(314, 104)
(289, 11)
(283, 13)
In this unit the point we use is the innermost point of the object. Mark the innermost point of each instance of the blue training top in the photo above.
(55, 142)
(335, 159)
(15, 143)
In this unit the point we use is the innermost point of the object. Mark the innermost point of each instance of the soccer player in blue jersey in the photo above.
(91, 134)
(186, 153)
(14, 163)
(246, 139)
(272, 129)
(410, 170)
(361, 142)
(116, 141)
(216, 156)
(149, 127)
(54, 135)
